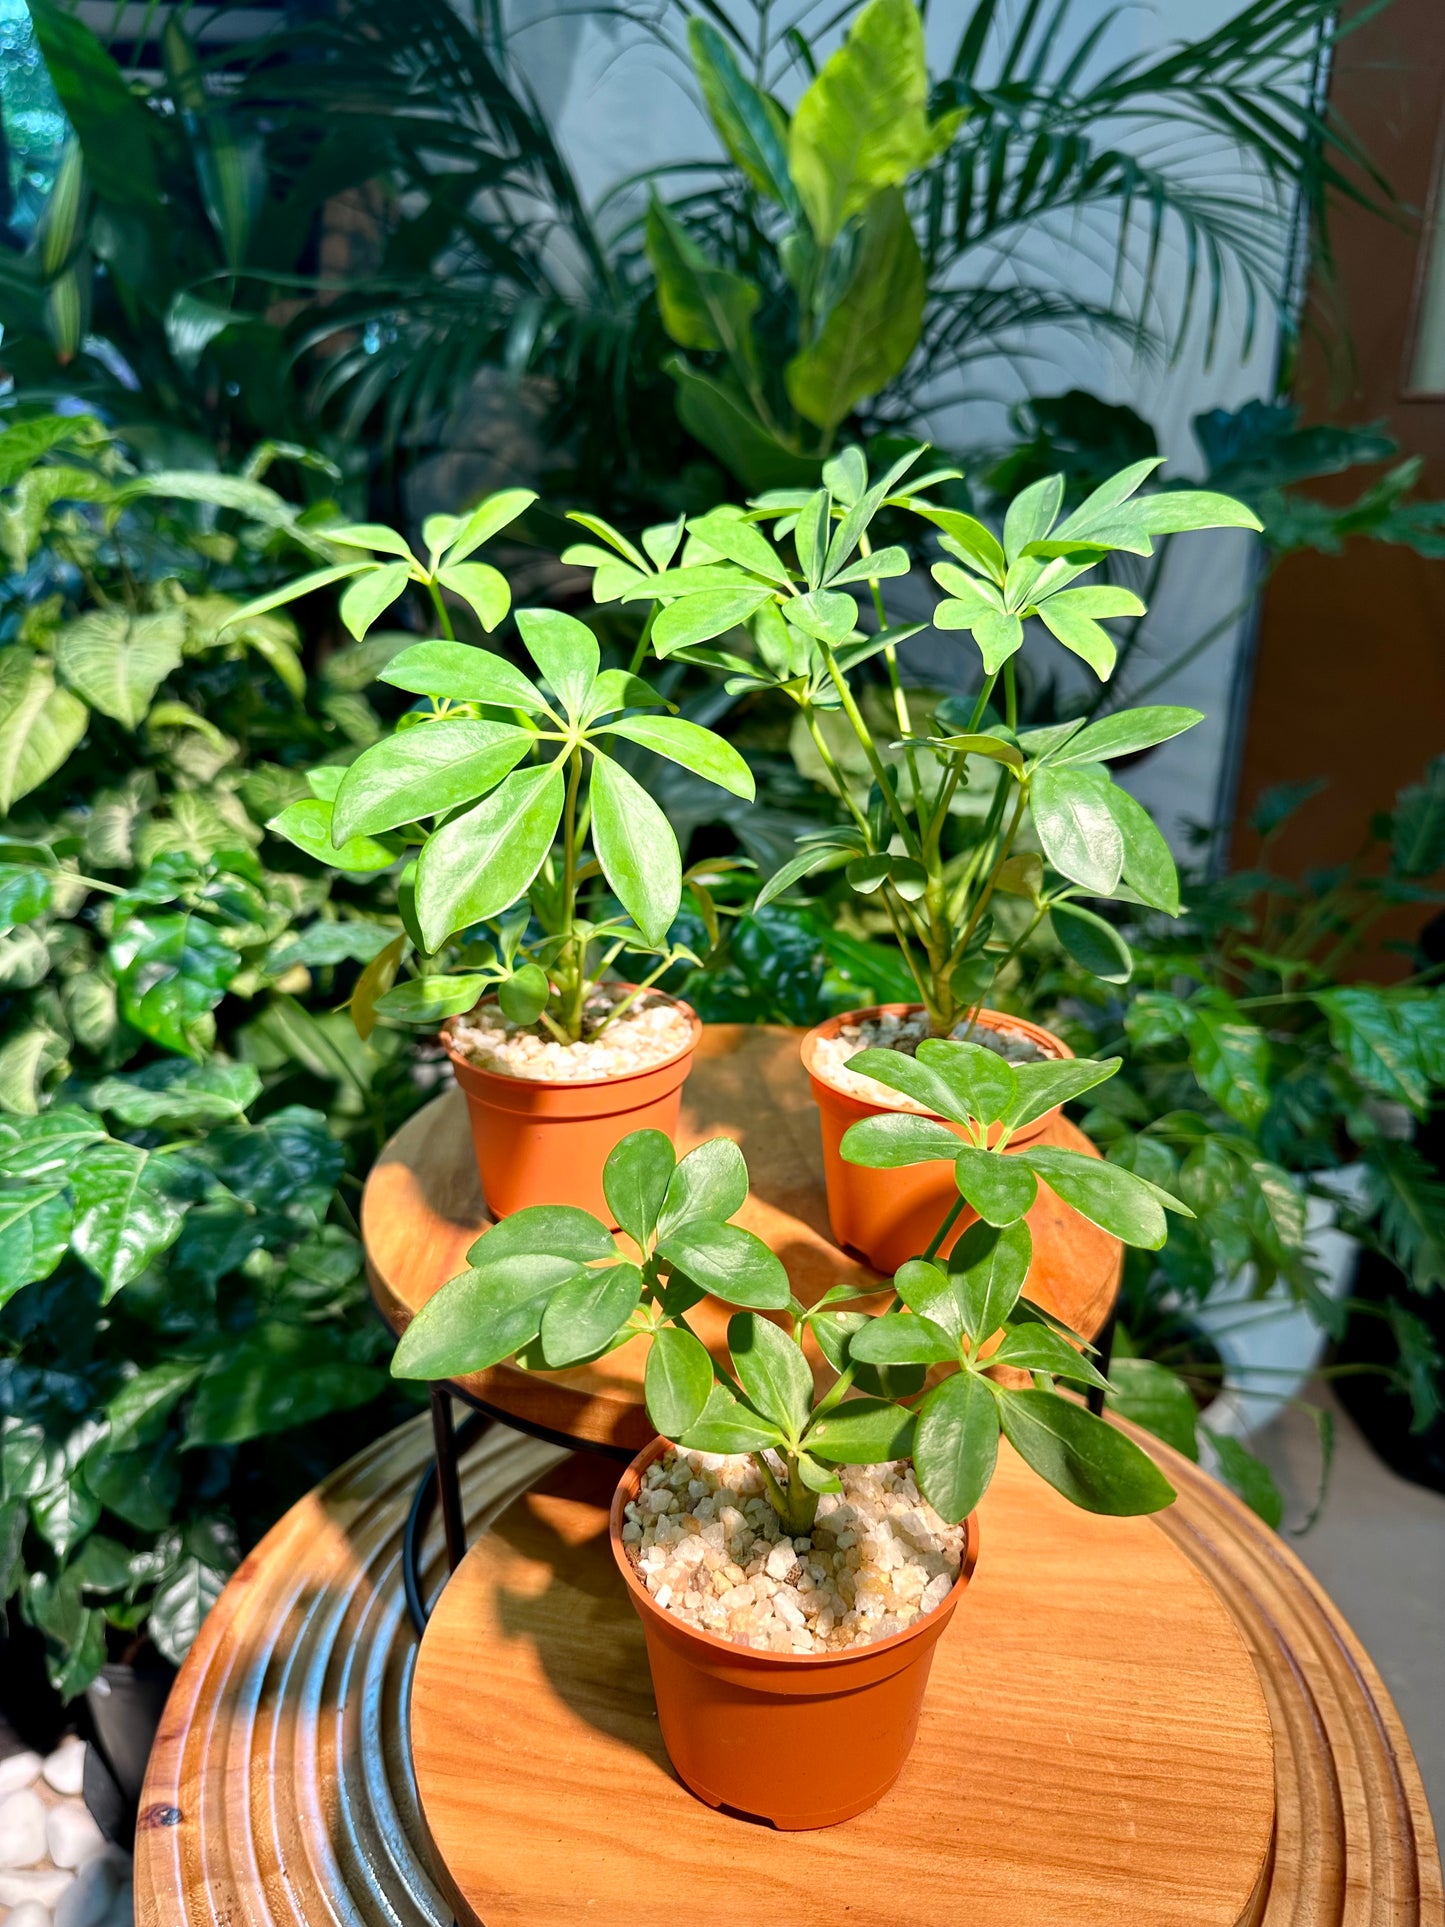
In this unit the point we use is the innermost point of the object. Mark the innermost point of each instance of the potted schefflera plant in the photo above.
(537, 869)
(973, 833)
(800, 1533)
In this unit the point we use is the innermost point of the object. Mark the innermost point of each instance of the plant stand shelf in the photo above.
(282, 1789)
(423, 1207)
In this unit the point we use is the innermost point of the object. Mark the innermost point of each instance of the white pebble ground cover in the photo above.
(56, 1869)
(831, 1054)
(649, 1033)
(709, 1548)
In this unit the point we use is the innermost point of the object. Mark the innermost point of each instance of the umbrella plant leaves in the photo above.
(424, 771)
(987, 1269)
(999, 1188)
(478, 1319)
(479, 863)
(635, 1182)
(773, 1371)
(1116, 1200)
(955, 1446)
(729, 1262)
(1090, 1461)
(584, 1315)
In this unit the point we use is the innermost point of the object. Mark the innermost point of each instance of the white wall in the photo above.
(622, 105)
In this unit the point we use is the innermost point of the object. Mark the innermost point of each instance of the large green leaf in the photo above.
(727, 1425)
(988, 1268)
(484, 590)
(1120, 1202)
(566, 652)
(874, 326)
(35, 1224)
(862, 123)
(702, 305)
(704, 615)
(955, 1447)
(635, 1180)
(465, 674)
(1077, 828)
(555, 1230)
(179, 1093)
(752, 126)
(729, 1262)
(1000, 1189)
(426, 770)
(1148, 862)
(884, 1143)
(276, 1376)
(1087, 1459)
(1036, 1347)
(722, 420)
(1093, 942)
(1042, 1086)
(862, 1431)
(117, 662)
(904, 1339)
(114, 128)
(710, 1183)
(481, 862)
(1125, 733)
(123, 1215)
(478, 1319)
(1382, 1052)
(677, 1381)
(39, 725)
(636, 847)
(983, 1085)
(490, 516)
(773, 1371)
(929, 1291)
(585, 1315)
(702, 751)
(308, 824)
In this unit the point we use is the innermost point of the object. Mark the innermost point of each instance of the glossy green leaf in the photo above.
(987, 1269)
(1080, 634)
(1092, 942)
(1087, 1459)
(903, 1339)
(116, 662)
(1148, 862)
(566, 652)
(772, 1370)
(1037, 1348)
(464, 674)
(1077, 828)
(1042, 1086)
(35, 1221)
(1175, 511)
(969, 538)
(914, 1078)
(636, 848)
(123, 1215)
(862, 1431)
(727, 1425)
(729, 1262)
(308, 823)
(635, 1181)
(929, 1291)
(751, 125)
(481, 1317)
(1031, 515)
(64, 1515)
(427, 1000)
(677, 1381)
(490, 516)
(584, 1315)
(708, 613)
(983, 1084)
(523, 996)
(955, 1446)
(39, 724)
(700, 750)
(884, 1143)
(481, 862)
(371, 594)
(999, 1188)
(483, 589)
(711, 1183)
(179, 1093)
(874, 326)
(1126, 732)
(424, 771)
(557, 1230)
(1117, 1200)
(702, 305)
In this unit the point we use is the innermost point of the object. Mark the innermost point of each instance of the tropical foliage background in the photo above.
(244, 292)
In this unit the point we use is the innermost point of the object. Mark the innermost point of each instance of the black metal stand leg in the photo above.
(1104, 1345)
(449, 1487)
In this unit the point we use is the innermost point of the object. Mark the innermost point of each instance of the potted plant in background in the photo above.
(798, 1536)
(964, 889)
(498, 784)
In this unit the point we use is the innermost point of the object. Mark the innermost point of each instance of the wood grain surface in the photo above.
(1094, 1744)
(423, 1207)
(281, 1791)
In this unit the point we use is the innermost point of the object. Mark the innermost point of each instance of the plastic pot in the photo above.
(888, 1217)
(796, 1739)
(540, 1143)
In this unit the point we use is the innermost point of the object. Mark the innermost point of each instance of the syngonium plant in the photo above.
(959, 1355)
(1055, 830)
(491, 787)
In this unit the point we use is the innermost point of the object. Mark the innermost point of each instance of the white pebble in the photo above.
(22, 1829)
(41, 1887)
(30, 1913)
(65, 1768)
(17, 1771)
(781, 1560)
(72, 1836)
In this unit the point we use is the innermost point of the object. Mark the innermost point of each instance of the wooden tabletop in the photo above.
(1094, 1745)
(422, 1208)
(281, 1791)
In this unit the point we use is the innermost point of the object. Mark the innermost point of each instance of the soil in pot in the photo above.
(544, 1115)
(888, 1217)
(789, 1672)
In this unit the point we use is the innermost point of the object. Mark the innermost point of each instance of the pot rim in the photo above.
(997, 1020)
(459, 1060)
(632, 1475)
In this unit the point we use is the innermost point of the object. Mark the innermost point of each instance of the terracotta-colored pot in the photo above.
(798, 1739)
(889, 1217)
(542, 1143)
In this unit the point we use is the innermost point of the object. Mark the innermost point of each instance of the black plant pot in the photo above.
(124, 1704)
(1380, 1409)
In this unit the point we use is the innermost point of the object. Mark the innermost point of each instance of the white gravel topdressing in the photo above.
(831, 1054)
(653, 1030)
(710, 1549)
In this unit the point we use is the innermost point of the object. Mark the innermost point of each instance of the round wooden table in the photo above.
(281, 1791)
(422, 1208)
